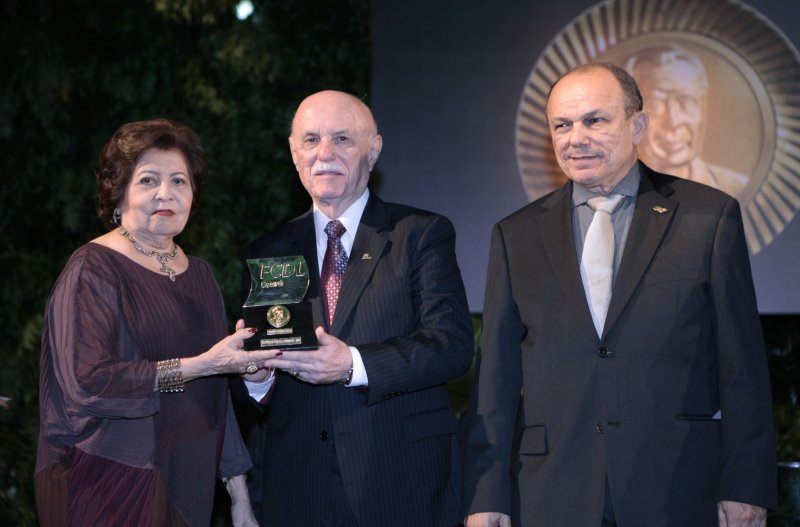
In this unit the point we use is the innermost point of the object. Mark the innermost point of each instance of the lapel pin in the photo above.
(660, 209)
(366, 256)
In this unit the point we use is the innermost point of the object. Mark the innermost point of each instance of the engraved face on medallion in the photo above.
(719, 84)
(692, 135)
(675, 87)
(278, 316)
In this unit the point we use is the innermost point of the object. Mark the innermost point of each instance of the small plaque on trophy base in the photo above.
(275, 305)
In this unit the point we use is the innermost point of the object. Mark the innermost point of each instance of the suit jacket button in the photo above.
(603, 352)
(324, 435)
(599, 428)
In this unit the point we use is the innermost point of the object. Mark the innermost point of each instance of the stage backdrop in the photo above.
(458, 92)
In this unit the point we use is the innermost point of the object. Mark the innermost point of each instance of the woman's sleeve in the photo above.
(235, 459)
(88, 355)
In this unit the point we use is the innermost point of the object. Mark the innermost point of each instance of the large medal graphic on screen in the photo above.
(719, 83)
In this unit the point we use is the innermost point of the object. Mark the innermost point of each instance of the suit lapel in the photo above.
(368, 249)
(303, 240)
(652, 217)
(559, 245)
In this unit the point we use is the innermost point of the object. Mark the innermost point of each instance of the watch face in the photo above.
(348, 377)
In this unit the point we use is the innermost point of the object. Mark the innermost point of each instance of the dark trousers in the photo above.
(338, 511)
(608, 510)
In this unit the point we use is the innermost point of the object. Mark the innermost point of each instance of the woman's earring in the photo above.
(115, 217)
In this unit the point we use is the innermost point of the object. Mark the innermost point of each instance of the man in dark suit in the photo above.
(648, 405)
(360, 432)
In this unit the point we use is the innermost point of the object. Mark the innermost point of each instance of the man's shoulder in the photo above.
(398, 215)
(282, 234)
(687, 191)
(399, 211)
(529, 212)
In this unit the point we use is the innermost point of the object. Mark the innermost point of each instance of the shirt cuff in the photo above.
(259, 390)
(359, 371)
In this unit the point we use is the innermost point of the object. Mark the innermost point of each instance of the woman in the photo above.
(136, 422)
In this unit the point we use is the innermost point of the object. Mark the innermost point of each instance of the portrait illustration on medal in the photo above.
(675, 89)
(278, 316)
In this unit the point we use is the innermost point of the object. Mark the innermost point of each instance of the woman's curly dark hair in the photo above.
(129, 142)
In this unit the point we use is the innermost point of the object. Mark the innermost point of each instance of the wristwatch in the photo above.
(348, 377)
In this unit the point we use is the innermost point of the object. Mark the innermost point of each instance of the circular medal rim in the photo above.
(270, 316)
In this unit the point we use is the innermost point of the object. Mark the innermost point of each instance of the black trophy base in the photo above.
(285, 327)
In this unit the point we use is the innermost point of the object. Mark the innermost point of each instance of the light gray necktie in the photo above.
(597, 260)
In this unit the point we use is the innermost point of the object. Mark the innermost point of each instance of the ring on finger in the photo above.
(251, 368)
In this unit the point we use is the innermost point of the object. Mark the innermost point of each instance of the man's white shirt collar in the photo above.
(350, 218)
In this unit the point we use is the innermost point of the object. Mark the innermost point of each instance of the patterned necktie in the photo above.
(597, 260)
(333, 266)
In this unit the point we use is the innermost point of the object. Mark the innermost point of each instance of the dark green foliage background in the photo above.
(72, 72)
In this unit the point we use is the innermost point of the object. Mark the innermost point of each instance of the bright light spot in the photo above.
(244, 9)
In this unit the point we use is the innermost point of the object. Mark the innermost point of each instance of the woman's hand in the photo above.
(227, 356)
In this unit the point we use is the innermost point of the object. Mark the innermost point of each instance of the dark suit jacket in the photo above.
(403, 305)
(682, 340)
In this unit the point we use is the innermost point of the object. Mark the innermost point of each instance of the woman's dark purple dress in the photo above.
(112, 450)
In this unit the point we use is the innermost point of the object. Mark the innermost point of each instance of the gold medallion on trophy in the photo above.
(278, 316)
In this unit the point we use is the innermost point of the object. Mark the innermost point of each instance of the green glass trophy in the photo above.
(276, 305)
